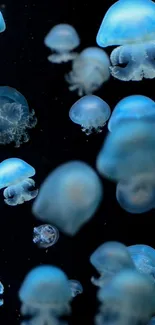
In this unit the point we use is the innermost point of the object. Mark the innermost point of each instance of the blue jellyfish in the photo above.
(1, 292)
(129, 298)
(2, 23)
(91, 112)
(45, 295)
(136, 194)
(15, 117)
(90, 70)
(45, 235)
(143, 257)
(14, 175)
(62, 39)
(108, 259)
(69, 196)
(130, 23)
(128, 151)
(76, 287)
(135, 107)
(152, 321)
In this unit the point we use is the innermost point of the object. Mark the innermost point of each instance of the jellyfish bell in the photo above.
(143, 257)
(2, 23)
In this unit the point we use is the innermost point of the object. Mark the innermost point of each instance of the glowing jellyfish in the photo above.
(128, 151)
(45, 295)
(91, 112)
(69, 196)
(1, 292)
(137, 194)
(129, 298)
(45, 235)
(108, 259)
(2, 23)
(130, 23)
(14, 175)
(15, 117)
(144, 259)
(89, 71)
(62, 39)
(76, 287)
(135, 107)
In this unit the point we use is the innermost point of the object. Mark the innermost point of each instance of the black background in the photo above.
(24, 66)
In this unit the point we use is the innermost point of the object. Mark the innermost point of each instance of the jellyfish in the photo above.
(137, 194)
(128, 151)
(152, 321)
(91, 112)
(69, 197)
(135, 107)
(76, 287)
(2, 23)
(90, 70)
(143, 257)
(45, 295)
(15, 176)
(1, 292)
(130, 25)
(15, 117)
(62, 39)
(108, 259)
(45, 235)
(129, 298)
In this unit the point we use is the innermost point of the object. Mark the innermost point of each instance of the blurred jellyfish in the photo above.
(62, 39)
(1, 292)
(130, 23)
(128, 151)
(45, 236)
(14, 175)
(91, 112)
(143, 257)
(2, 23)
(152, 321)
(76, 287)
(108, 259)
(15, 117)
(89, 71)
(69, 197)
(135, 107)
(129, 298)
(137, 194)
(45, 295)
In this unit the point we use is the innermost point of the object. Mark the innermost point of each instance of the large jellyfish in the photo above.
(128, 151)
(91, 112)
(135, 107)
(69, 196)
(15, 117)
(2, 23)
(129, 298)
(45, 236)
(62, 39)
(45, 295)
(131, 24)
(14, 175)
(108, 259)
(89, 71)
(143, 257)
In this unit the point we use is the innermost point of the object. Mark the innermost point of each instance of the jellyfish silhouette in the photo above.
(69, 197)
(90, 70)
(45, 236)
(14, 175)
(2, 23)
(15, 117)
(130, 24)
(91, 112)
(45, 295)
(62, 38)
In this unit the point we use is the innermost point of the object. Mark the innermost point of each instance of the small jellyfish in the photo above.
(130, 23)
(143, 257)
(76, 288)
(69, 197)
(62, 39)
(1, 292)
(91, 112)
(90, 70)
(14, 175)
(108, 259)
(45, 235)
(15, 117)
(45, 295)
(136, 194)
(135, 107)
(2, 23)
